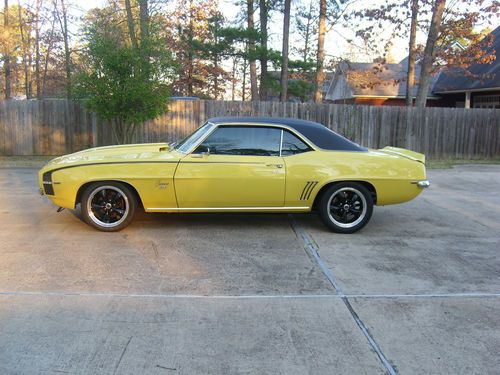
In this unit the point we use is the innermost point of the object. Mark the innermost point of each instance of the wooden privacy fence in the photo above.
(55, 127)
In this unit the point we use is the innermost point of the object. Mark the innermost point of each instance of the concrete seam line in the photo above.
(247, 296)
(166, 296)
(121, 356)
(313, 250)
(429, 295)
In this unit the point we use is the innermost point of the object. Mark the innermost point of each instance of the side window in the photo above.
(243, 140)
(293, 145)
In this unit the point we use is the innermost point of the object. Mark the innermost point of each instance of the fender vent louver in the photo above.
(306, 192)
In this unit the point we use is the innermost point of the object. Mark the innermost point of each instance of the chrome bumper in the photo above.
(423, 184)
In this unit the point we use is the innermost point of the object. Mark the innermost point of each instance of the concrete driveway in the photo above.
(416, 292)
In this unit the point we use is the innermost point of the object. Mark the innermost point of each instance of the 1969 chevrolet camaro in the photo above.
(237, 164)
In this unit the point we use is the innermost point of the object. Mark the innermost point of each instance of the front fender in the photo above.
(152, 181)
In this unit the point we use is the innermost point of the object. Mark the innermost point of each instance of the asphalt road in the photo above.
(415, 292)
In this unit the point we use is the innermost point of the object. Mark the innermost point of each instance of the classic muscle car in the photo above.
(237, 164)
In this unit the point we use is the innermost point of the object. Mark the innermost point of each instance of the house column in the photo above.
(467, 99)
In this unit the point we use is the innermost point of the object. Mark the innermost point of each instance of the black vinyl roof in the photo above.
(318, 134)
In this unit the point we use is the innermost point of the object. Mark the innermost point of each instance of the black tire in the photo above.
(108, 206)
(345, 207)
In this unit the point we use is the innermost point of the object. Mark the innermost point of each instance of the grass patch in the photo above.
(24, 161)
(450, 163)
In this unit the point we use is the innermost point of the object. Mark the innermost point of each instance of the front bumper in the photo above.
(423, 184)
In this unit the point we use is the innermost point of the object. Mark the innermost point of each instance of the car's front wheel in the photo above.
(108, 206)
(346, 207)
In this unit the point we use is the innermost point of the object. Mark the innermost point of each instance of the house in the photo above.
(478, 87)
(385, 84)
(373, 84)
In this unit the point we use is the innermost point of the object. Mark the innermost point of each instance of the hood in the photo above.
(134, 152)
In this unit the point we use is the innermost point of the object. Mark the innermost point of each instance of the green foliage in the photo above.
(240, 34)
(302, 66)
(300, 78)
(301, 89)
(234, 37)
(123, 83)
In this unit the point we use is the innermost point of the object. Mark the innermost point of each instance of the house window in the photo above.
(487, 101)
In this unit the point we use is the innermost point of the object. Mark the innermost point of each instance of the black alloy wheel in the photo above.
(108, 206)
(346, 207)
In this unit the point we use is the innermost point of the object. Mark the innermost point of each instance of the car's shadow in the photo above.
(220, 219)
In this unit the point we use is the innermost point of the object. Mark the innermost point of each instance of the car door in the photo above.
(235, 166)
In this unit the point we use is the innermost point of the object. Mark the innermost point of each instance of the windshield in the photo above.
(185, 145)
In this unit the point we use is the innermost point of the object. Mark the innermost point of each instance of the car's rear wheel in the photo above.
(346, 207)
(108, 206)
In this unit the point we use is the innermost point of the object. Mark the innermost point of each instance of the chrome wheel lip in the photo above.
(94, 218)
(361, 216)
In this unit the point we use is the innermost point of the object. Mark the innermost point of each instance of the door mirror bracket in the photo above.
(201, 151)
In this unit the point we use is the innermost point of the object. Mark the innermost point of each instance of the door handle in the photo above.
(275, 165)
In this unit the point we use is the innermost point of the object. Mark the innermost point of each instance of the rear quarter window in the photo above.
(292, 145)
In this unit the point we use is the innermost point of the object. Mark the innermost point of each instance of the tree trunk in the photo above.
(284, 65)
(119, 131)
(6, 57)
(144, 18)
(190, 52)
(233, 80)
(130, 23)
(216, 77)
(251, 49)
(63, 22)
(130, 132)
(308, 32)
(25, 52)
(244, 83)
(47, 55)
(410, 76)
(30, 64)
(430, 53)
(37, 49)
(320, 75)
(144, 26)
(263, 45)
(123, 132)
(67, 56)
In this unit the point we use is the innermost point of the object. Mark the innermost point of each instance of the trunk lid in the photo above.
(408, 154)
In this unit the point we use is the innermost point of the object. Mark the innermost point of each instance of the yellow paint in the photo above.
(230, 180)
(169, 181)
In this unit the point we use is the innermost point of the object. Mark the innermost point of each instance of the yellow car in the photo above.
(237, 164)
